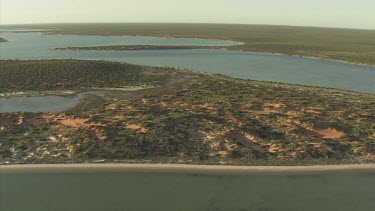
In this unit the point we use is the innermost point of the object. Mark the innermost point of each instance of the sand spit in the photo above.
(53, 168)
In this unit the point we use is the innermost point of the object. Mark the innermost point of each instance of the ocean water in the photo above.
(156, 191)
(238, 64)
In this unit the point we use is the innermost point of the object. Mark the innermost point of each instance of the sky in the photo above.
(324, 13)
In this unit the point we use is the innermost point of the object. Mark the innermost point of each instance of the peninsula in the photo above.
(141, 47)
(187, 117)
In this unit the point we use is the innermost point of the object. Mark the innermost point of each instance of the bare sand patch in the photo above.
(251, 137)
(166, 105)
(275, 105)
(136, 127)
(330, 133)
(177, 168)
(273, 148)
(112, 107)
(206, 106)
(118, 118)
(75, 123)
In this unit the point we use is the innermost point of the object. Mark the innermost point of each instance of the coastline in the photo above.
(239, 43)
(235, 43)
(183, 168)
(224, 48)
(335, 60)
(61, 93)
(309, 57)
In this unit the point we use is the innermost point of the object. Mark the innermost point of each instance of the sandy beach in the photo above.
(178, 168)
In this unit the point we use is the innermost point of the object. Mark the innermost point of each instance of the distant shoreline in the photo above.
(235, 43)
(179, 47)
(332, 60)
(140, 47)
(47, 32)
(329, 43)
(55, 168)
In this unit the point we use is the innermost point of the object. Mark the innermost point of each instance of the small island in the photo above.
(141, 47)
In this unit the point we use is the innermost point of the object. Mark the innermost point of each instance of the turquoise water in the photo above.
(133, 191)
(246, 65)
(38, 104)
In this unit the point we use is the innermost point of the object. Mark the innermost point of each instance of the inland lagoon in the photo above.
(38, 104)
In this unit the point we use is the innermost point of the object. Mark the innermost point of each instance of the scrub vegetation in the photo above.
(349, 45)
(73, 74)
(189, 118)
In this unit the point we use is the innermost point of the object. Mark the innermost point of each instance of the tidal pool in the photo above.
(38, 104)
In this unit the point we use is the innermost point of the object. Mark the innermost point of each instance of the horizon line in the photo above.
(197, 23)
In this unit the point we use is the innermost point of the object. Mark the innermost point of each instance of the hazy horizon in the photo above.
(333, 14)
(250, 24)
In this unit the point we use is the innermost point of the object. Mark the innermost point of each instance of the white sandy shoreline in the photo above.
(178, 168)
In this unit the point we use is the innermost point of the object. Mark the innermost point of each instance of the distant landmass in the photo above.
(3, 40)
(349, 45)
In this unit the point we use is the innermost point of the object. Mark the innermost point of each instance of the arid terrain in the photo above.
(185, 117)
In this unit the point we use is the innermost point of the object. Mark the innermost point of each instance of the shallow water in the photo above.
(38, 104)
(191, 192)
(246, 65)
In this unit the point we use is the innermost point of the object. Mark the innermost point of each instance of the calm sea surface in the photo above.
(132, 191)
